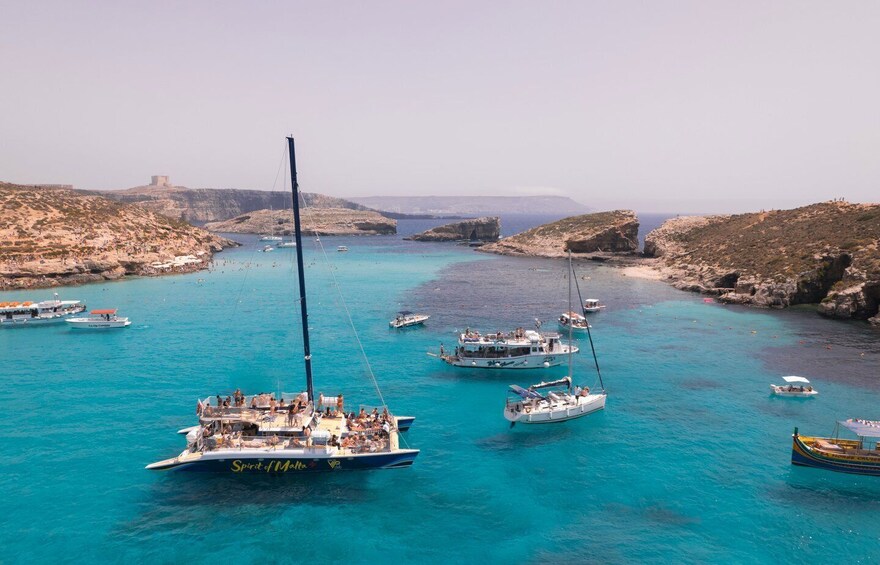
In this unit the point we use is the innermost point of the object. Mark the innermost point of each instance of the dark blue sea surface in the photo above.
(689, 462)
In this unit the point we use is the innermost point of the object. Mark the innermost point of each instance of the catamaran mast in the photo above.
(294, 186)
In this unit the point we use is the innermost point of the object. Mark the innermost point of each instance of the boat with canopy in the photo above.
(556, 401)
(26, 313)
(592, 305)
(518, 349)
(859, 456)
(797, 386)
(573, 321)
(310, 434)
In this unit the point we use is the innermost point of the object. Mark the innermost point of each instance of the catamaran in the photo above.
(18, 314)
(299, 437)
(555, 401)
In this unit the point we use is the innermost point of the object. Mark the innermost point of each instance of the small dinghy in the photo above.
(797, 386)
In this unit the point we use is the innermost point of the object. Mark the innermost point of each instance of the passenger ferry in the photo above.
(17, 314)
(519, 349)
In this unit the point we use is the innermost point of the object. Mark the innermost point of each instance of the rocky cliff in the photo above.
(56, 236)
(602, 232)
(324, 221)
(479, 229)
(212, 204)
(823, 253)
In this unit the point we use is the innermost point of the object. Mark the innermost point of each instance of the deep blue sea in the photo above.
(689, 462)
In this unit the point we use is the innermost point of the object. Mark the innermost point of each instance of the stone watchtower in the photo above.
(159, 180)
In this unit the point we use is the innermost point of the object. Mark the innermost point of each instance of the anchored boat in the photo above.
(267, 436)
(99, 319)
(797, 386)
(405, 319)
(18, 314)
(555, 401)
(856, 456)
(519, 349)
(573, 321)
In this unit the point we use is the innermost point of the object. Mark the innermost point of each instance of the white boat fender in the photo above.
(546, 364)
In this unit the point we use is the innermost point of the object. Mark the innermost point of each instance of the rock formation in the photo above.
(324, 221)
(58, 236)
(826, 253)
(480, 229)
(601, 233)
(212, 204)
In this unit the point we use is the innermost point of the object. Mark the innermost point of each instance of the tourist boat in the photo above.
(856, 456)
(99, 319)
(573, 321)
(803, 387)
(270, 238)
(18, 314)
(284, 244)
(555, 401)
(592, 305)
(342, 248)
(299, 437)
(519, 349)
(405, 319)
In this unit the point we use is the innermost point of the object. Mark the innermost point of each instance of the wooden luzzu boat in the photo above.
(856, 456)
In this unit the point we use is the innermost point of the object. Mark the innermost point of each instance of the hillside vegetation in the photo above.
(55, 236)
(825, 252)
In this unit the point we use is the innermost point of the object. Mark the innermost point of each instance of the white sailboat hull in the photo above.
(552, 412)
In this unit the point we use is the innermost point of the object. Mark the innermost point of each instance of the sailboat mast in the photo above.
(294, 186)
(570, 318)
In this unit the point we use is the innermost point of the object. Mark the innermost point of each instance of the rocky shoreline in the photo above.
(323, 221)
(55, 237)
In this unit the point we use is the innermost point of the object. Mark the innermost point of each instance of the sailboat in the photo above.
(555, 401)
(308, 435)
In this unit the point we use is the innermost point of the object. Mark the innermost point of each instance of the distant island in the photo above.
(825, 253)
(472, 205)
(323, 221)
(56, 236)
(600, 233)
(486, 229)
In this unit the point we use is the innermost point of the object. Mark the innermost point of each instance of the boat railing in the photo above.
(356, 442)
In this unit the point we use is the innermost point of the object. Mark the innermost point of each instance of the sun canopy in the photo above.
(525, 394)
(795, 380)
(103, 312)
(862, 428)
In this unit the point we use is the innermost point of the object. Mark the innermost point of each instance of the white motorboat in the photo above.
(268, 249)
(18, 314)
(270, 238)
(551, 402)
(406, 319)
(342, 248)
(592, 305)
(574, 321)
(519, 349)
(284, 244)
(99, 319)
(797, 386)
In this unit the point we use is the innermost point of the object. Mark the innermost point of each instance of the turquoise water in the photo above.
(688, 463)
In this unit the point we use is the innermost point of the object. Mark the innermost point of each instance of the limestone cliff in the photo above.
(212, 204)
(826, 253)
(324, 221)
(57, 236)
(603, 232)
(479, 229)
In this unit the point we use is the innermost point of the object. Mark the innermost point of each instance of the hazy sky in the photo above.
(659, 106)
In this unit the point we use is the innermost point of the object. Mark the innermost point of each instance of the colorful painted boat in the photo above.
(856, 456)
